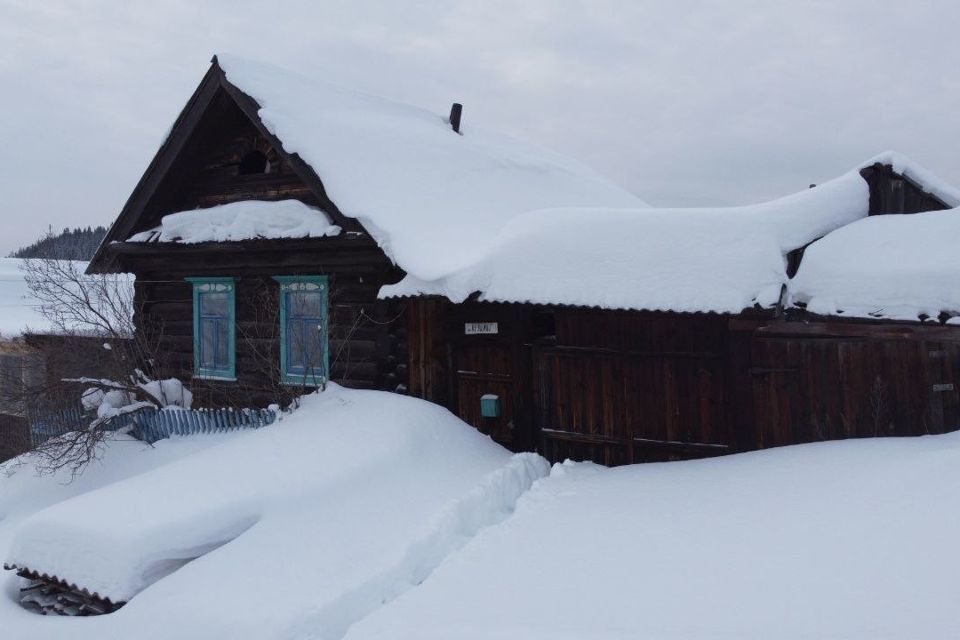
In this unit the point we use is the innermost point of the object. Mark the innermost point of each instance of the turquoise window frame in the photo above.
(215, 285)
(321, 285)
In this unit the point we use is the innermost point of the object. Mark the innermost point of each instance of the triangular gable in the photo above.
(213, 85)
(896, 191)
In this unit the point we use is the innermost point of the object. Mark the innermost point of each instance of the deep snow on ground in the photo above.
(300, 528)
(369, 515)
(23, 491)
(853, 539)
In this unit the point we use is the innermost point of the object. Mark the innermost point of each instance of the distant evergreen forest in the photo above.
(70, 244)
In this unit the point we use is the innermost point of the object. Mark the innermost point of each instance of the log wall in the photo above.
(367, 337)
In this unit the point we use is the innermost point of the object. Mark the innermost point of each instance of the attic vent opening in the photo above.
(253, 163)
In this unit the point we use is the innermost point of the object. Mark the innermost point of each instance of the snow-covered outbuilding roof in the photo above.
(689, 260)
(433, 199)
(896, 266)
(720, 260)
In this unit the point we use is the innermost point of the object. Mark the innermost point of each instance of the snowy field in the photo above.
(854, 539)
(369, 515)
(18, 310)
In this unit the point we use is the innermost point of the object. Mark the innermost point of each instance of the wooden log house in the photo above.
(615, 384)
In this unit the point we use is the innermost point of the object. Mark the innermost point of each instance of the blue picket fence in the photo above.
(152, 425)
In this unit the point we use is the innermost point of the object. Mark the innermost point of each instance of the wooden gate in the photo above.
(486, 353)
(616, 408)
(807, 389)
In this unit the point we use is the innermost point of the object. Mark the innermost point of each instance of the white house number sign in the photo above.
(480, 328)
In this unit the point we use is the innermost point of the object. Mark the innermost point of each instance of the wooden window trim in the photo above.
(288, 284)
(226, 285)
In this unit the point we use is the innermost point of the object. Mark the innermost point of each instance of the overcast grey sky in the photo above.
(683, 102)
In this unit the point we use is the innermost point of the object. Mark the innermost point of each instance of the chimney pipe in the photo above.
(455, 111)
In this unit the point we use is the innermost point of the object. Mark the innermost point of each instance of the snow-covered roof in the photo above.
(244, 220)
(892, 266)
(690, 260)
(720, 260)
(433, 199)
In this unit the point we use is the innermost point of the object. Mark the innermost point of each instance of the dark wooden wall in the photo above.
(622, 387)
(207, 172)
(367, 336)
(14, 436)
(891, 192)
(828, 381)
(456, 369)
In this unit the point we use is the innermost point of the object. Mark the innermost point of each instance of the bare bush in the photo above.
(93, 344)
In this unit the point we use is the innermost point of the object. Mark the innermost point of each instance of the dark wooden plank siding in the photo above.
(891, 192)
(478, 365)
(881, 382)
(622, 387)
(427, 352)
(14, 436)
(629, 408)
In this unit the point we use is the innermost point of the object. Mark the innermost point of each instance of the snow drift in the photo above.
(314, 521)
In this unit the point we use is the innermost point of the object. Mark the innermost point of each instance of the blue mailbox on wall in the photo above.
(490, 405)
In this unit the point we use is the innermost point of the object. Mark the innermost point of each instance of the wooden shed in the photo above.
(621, 386)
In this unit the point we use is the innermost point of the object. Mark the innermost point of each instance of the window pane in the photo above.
(295, 345)
(305, 304)
(313, 331)
(215, 304)
(208, 342)
(223, 344)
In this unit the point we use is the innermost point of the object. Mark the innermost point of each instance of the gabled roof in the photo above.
(434, 200)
